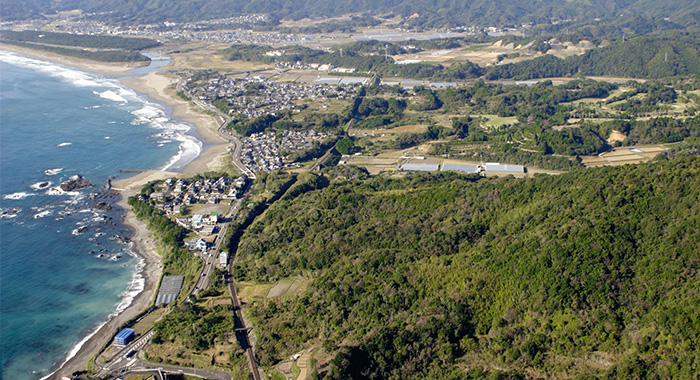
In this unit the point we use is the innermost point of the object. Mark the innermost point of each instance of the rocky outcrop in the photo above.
(75, 182)
(103, 206)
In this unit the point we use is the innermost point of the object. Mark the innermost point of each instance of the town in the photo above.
(261, 151)
(180, 197)
(255, 96)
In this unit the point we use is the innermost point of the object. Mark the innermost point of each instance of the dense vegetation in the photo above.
(657, 55)
(96, 55)
(176, 259)
(80, 40)
(416, 13)
(648, 56)
(591, 274)
(194, 327)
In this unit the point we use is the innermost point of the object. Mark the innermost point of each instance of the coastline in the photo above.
(102, 68)
(155, 86)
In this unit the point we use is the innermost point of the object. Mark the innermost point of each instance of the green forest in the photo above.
(80, 40)
(590, 274)
(416, 13)
(655, 55)
(97, 48)
(97, 55)
(647, 56)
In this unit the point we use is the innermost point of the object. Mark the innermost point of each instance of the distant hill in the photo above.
(23, 10)
(648, 56)
(427, 13)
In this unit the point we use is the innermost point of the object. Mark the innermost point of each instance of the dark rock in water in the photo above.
(75, 182)
(103, 206)
(80, 230)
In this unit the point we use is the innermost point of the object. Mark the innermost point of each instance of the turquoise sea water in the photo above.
(58, 282)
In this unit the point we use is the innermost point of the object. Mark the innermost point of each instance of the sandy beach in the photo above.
(102, 68)
(155, 85)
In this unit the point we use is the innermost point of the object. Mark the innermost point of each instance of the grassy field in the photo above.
(497, 121)
(625, 155)
(201, 56)
(250, 291)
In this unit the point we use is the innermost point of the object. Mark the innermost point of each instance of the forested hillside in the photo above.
(648, 56)
(79, 40)
(426, 13)
(590, 274)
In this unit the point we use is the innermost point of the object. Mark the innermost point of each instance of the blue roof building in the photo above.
(124, 337)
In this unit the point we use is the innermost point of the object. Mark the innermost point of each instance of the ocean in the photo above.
(64, 263)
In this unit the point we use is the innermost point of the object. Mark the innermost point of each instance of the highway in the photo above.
(211, 256)
(120, 365)
(221, 130)
(210, 259)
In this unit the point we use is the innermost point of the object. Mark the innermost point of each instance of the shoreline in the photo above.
(153, 85)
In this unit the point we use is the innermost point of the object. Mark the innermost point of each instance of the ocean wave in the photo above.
(56, 190)
(138, 283)
(147, 114)
(64, 144)
(43, 214)
(150, 113)
(80, 230)
(74, 351)
(110, 95)
(9, 213)
(53, 171)
(17, 196)
(190, 148)
(73, 76)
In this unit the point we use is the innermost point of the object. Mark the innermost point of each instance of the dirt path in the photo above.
(303, 364)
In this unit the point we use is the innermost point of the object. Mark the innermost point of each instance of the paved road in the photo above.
(225, 134)
(203, 373)
(211, 256)
(237, 147)
(119, 365)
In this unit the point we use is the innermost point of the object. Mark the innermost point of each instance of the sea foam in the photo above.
(110, 95)
(40, 185)
(53, 171)
(75, 77)
(17, 196)
(137, 285)
(149, 114)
